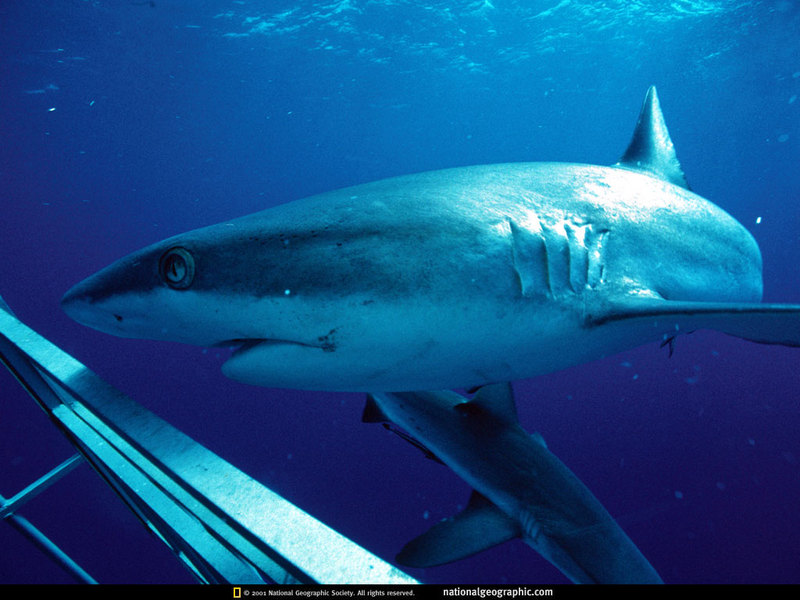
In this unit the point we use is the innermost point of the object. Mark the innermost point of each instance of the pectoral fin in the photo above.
(764, 323)
(478, 527)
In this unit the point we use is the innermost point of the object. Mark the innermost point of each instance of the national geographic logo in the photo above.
(348, 592)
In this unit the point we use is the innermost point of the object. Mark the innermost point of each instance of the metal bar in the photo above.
(37, 487)
(224, 525)
(42, 542)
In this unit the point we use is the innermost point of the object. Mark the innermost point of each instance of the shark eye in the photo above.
(176, 268)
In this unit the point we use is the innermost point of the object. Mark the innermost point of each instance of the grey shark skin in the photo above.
(450, 279)
(521, 489)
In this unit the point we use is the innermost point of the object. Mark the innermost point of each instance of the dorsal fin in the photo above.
(498, 400)
(373, 413)
(651, 150)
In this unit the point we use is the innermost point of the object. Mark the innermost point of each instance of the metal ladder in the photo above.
(8, 511)
(223, 525)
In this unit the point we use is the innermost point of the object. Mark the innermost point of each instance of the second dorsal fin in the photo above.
(651, 150)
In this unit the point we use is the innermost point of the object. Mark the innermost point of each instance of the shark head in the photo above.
(157, 293)
(310, 294)
(236, 284)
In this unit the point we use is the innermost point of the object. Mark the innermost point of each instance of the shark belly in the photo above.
(428, 346)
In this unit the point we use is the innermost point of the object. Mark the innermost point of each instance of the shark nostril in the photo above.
(118, 318)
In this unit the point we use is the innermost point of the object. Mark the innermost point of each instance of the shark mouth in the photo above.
(245, 345)
(270, 362)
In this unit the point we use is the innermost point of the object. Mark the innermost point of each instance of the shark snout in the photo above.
(118, 315)
(109, 299)
(75, 301)
(79, 303)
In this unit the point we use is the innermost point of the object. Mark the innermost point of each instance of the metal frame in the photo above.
(225, 526)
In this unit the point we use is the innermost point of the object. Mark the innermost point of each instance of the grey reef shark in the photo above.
(520, 488)
(450, 279)
(461, 278)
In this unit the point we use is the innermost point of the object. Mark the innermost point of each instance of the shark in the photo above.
(520, 488)
(451, 279)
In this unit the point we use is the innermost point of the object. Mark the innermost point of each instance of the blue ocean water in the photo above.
(124, 122)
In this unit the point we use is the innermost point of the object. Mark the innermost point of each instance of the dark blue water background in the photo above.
(124, 122)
